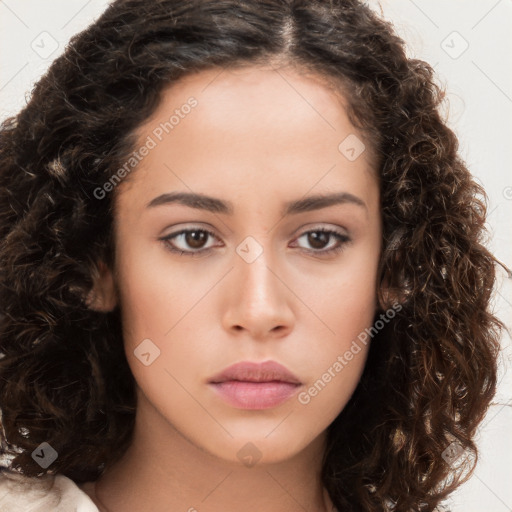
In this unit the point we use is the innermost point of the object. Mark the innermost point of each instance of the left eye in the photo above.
(194, 239)
(320, 236)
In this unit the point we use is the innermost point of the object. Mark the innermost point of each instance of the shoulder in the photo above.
(57, 493)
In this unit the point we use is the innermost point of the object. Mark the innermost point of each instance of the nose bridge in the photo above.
(258, 283)
(259, 302)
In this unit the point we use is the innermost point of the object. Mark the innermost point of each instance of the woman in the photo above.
(242, 266)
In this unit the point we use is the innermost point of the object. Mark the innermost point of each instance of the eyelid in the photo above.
(322, 227)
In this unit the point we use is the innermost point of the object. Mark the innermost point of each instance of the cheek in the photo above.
(326, 395)
(161, 317)
(336, 358)
(153, 297)
(341, 299)
(344, 306)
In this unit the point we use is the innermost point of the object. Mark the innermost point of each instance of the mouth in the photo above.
(250, 385)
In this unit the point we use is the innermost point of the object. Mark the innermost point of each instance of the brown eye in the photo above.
(195, 239)
(318, 239)
(188, 241)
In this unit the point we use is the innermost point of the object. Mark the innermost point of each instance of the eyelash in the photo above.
(342, 238)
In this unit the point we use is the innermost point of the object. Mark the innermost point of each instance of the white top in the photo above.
(55, 493)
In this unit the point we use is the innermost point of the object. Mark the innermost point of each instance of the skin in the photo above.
(258, 137)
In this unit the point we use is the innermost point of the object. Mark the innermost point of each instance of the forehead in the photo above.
(253, 86)
(278, 101)
(251, 128)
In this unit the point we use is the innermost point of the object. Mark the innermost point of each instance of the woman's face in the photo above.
(265, 284)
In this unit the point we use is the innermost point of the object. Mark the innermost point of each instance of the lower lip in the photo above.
(255, 395)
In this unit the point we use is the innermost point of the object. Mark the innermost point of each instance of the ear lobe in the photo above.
(102, 296)
(387, 296)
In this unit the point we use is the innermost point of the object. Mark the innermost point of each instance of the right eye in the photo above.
(190, 238)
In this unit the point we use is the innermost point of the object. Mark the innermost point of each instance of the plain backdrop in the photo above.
(469, 45)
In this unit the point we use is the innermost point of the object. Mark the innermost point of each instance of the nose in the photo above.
(259, 299)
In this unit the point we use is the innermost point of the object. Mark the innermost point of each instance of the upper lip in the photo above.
(256, 372)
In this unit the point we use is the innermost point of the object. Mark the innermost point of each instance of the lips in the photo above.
(246, 371)
(249, 385)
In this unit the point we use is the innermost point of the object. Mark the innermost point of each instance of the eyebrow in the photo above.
(215, 205)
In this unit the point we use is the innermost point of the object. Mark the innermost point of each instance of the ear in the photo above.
(102, 296)
(389, 296)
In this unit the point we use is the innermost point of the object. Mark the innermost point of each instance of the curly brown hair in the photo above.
(431, 372)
